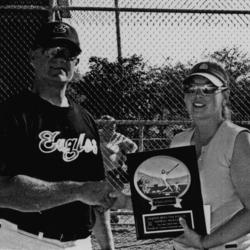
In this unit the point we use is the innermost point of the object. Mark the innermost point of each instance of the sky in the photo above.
(160, 38)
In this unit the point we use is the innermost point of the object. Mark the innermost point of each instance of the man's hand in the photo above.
(97, 194)
(189, 238)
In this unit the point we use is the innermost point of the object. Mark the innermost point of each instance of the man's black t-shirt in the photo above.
(50, 143)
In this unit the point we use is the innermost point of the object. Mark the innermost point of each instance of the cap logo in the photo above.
(60, 28)
(203, 66)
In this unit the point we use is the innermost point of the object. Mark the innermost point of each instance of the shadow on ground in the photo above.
(125, 238)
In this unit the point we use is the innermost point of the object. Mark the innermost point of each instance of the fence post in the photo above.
(52, 4)
(141, 132)
(118, 35)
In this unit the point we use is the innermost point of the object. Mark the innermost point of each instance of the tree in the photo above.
(130, 89)
(237, 64)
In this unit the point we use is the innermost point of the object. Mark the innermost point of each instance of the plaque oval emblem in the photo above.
(162, 176)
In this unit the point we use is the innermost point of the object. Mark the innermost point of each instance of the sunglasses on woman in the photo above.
(205, 89)
(59, 52)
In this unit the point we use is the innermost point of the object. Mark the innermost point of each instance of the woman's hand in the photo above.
(189, 238)
(120, 199)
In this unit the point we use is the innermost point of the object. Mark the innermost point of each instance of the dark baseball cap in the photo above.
(57, 34)
(210, 70)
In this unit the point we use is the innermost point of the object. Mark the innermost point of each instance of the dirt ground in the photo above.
(124, 233)
(125, 238)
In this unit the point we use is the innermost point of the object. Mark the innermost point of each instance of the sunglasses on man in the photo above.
(60, 52)
(205, 89)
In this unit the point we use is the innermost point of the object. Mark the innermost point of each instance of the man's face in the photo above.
(55, 64)
(110, 129)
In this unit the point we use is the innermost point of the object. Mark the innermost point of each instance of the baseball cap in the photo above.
(210, 70)
(57, 34)
(107, 118)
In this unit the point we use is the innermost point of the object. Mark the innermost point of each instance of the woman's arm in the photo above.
(122, 201)
(238, 225)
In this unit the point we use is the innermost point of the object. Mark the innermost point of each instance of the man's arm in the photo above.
(102, 230)
(27, 194)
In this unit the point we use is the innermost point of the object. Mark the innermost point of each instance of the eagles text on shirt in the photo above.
(71, 147)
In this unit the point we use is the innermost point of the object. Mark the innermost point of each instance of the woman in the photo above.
(223, 153)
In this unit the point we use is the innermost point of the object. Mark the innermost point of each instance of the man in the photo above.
(141, 182)
(115, 147)
(164, 175)
(52, 192)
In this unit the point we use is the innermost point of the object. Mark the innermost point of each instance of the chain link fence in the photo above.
(135, 56)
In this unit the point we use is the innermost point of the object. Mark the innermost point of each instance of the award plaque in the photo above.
(165, 185)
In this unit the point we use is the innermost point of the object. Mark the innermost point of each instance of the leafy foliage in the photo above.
(237, 65)
(130, 89)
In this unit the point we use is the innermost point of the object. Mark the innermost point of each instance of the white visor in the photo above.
(216, 81)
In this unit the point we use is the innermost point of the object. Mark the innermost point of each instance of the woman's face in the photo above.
(201, 106)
